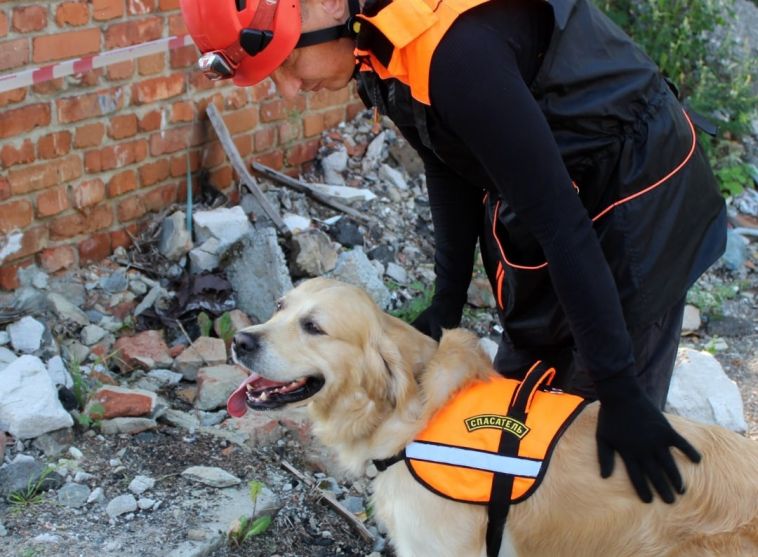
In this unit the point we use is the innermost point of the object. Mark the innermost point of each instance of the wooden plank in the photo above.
(239, 166)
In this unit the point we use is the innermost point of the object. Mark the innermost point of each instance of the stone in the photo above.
(145, 503)
(26, 334)
(480, 293)
(127, 425)
(393, 177)
(29, 401)
(344, 193)
(177, 418)
(735, 254)
(258, 272)
(119, 402)
(19, 474)
(74, 351)
(355, 268)
(121, 505)
(115, 282)
(489, 346)
(238, 320)
(5, 338)
(145, 350)
(97, 496)
(175, 240)
(6, 357)
(165, 376)
(312, 254)
(73, 495)
(210, 475)
(205, 257)
(215, 384)
(346, 233)
(67, 311)
(149, 300)
(225, 225)
(204, 351)
(140, 484)
(691, 322)
(92, 334)
(296, 223)
(730, 326)
(334, 165)
(54, 443)
(701, 391)
(59, 375)
(396, 273)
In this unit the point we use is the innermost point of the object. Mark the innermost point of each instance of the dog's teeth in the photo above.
(264, 396)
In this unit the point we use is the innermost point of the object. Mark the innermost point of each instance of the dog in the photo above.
(370, 383)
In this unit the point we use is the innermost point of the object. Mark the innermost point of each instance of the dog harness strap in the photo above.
(384, 463)
(470, 458)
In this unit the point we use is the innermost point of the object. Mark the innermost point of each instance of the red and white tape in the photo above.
(32, 76)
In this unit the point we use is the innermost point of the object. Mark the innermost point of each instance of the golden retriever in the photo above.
(370, 382)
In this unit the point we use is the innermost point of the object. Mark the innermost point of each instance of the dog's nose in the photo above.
(246, 342)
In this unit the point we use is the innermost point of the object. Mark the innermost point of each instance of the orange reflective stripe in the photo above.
(500, 276)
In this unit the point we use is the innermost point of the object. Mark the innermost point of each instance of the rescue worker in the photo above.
(552, 139)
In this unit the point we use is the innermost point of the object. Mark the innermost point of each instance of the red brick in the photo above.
(11, 155)
(123, 126)
(150, 121)
(244, 144)
(235, 99)
(154, 172)
(50, 87)
(167, 5)
(34, 240)
(77, 223)
(122, 70)
(54, 145)
(151, 65)
(88, 193)
(107, 9)
(264, 139)
(131, 208)
(3, 24)
(313, 124)
(288, 132)
(45, 175)
(326, 98)
(302, 152)
(272, 111)
(264, 90)
(11, 97)
(202, 104)
(201, 83)
(160, 197)
(157, 89)
(179, 164)
(90, 78)
(57, 259)
(80, 107)
(140, 7)
(122, 238)
(61, 46)
(72, 13)
(52, 201)
(95, 248)
(29, 18)
(15, 214)
(176, 25)
(115, 156)
(183, 57)
(122, 183)
(241, 121)
(8, 274)
(183, 111)
(133, 32)
(353, 109)
(175, 139)
(222, 177)
(5, 188)
(14, 53)
(18, 121)
(213, 154)
(89, 135)
(333, 117)
(274, 159)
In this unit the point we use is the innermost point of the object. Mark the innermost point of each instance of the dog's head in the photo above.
(327, 344)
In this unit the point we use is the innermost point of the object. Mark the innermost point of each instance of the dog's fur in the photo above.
(383, 380)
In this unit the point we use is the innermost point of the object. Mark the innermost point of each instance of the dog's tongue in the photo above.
(235, 404)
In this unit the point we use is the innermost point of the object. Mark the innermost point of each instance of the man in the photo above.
(552, 139)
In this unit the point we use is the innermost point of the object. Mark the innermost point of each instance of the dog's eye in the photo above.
(310, 327)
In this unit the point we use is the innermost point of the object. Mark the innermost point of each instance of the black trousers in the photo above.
(655, 348)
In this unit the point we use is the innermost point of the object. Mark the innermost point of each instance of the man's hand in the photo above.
(629, 423)
(441, 314)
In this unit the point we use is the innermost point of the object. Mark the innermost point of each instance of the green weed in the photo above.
(248, 527)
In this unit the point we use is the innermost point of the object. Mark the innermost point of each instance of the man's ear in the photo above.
(335, 9)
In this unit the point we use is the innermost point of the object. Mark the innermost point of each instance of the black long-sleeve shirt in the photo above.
(479, 92)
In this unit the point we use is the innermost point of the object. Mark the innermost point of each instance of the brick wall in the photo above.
(84, 158)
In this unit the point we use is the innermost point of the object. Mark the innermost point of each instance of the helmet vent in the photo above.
(240, 4)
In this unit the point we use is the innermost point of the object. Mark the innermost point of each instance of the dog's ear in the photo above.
(386, 375)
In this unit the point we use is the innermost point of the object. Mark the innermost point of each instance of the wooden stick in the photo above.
(331, 499)
(239, 166)
(303, 187)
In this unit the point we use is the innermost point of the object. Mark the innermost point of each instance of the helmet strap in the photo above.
(347, 29)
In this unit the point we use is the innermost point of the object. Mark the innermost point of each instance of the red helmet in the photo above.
(247, 39)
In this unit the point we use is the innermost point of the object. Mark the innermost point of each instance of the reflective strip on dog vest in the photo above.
(468, 458)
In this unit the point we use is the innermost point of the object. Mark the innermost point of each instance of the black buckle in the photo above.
(253, 41)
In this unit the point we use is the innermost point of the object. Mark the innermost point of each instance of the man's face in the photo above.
(321, 66)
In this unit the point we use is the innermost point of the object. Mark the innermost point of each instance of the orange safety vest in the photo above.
(415, 28)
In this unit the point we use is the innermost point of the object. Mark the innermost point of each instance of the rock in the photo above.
(258, 272)
(730, 326)
(149, 300)
(333, 166)
(700, 390)
(73, 495)
(393, 177)
(175, 240)
(29, 401)
(121, 505)
(736, 251)
(374, 152)
(208, 419)
(225, 225)
(407, 157)
(215, 384)
(212, 476)
(54, 442)
(67, 311)
(238, 320)
(119, 402)
(58, 373)
(145, 503)
(346, 233)
(6, 357)
(140, 484)
(396, 273)
(33, 276)
(97, 496)
(355, 268)
(5, 338)
(489, 346)
(127, 425)
(74, 351)
(480, 293)
(691, 322)
(205, 257)
(312, 254)
(137, 287)
(92, 334)
(165, 376)
(177, 418)
(26, 334)
(344, 193)
(115, 282)
(204, 351)
(20, 474)
(144, 350)
(382, 253)
(296, 223)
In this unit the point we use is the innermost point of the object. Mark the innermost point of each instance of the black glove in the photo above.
(630, 424)
(440, 314)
